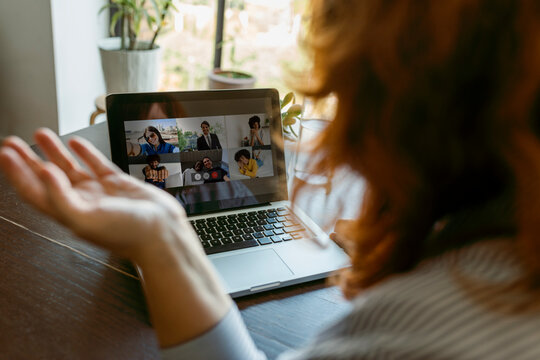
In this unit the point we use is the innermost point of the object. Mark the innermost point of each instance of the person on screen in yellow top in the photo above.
(246, 165)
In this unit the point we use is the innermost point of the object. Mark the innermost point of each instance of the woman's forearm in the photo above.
(184, 294)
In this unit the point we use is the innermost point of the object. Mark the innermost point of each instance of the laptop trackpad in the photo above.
(244, 271)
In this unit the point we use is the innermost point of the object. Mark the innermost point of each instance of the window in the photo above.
(259, 36)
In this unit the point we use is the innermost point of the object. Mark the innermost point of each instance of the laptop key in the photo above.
(229, 247)
(227, 234)
(285, 237)
(268, 227)
(258, 228)
(205, 237)
(271, 221)
(297, 235)
(215, 242)
(278, 225)
(268, 233)
(211, 230)
(238, 232)
(276, 238)
(278, 231)
(237, 238)
(258, 235)
(247, 237)
(272, 214)
(226, 240)
(264, 241)
(205, 244)
(261, 222)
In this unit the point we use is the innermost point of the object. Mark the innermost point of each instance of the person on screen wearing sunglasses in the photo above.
(154, 144)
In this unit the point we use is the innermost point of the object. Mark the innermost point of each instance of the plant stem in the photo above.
(122, 32)
(132, 36)
(292, 130)
(160, 26)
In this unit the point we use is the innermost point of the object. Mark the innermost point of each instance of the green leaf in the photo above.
(294, 110)
(106, 6)
(289, 120)
(156, 7)
(114, 20)
(287, 99)
(172, 6)
(150, 20)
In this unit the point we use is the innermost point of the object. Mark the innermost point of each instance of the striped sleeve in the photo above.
(439, 311)
(228, 340)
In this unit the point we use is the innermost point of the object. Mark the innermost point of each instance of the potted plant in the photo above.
(131, 64)
(231, 79)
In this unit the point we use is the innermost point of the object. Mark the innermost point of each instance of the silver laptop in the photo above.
(220, 154)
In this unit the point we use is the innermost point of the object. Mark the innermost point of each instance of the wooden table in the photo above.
(61, 298)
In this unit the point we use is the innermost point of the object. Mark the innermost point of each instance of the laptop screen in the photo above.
(212, 150)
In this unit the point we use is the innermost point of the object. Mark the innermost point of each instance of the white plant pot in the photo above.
(217, 80)
(129, 70)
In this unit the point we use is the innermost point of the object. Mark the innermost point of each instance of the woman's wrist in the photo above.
(185, 295)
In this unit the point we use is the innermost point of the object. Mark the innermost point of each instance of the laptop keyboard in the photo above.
(244, 230)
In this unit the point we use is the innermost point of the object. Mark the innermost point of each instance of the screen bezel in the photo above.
(126, 107)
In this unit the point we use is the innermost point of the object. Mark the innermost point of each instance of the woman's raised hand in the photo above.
(131, 218)
(101, 204)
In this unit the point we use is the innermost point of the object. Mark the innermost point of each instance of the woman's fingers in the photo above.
(67, 206)
(25, 152)
(92, 157)
(23, 174)
(57, 153)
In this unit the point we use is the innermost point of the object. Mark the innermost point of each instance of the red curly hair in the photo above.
(438, 110)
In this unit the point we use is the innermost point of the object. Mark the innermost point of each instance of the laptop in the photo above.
(220, 154)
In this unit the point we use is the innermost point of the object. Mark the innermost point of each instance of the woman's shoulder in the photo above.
(438, 310)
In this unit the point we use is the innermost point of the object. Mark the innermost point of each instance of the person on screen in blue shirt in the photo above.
(155, 143)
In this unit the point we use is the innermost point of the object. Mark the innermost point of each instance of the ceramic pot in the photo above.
(226, 79)
(129, 70)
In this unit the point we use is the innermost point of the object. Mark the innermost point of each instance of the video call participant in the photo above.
(256, 133)
(213, 174)
(194, 175)
(207, 141)
(153, 173)
(246, 165)
(154, 144)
